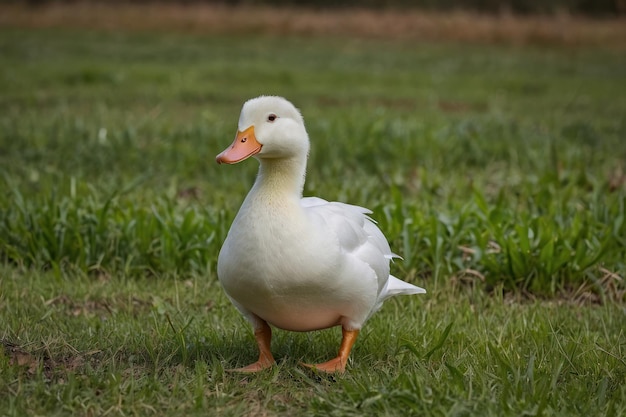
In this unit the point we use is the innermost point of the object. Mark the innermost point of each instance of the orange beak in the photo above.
(244, 146)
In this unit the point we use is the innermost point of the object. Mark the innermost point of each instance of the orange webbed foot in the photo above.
(338, 364)
(263, 336)
(257, 366)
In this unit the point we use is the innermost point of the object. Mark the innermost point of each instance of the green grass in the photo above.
(161, 346)
(496, 172)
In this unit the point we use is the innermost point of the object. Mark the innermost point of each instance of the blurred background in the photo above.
(587, 7)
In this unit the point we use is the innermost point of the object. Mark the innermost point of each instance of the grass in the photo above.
(161, 346)
(497, 172)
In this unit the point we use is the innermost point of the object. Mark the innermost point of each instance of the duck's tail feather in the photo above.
(396, 286)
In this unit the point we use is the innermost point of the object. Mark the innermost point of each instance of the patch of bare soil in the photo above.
(31, 361)
(20, 357)
(415, 25)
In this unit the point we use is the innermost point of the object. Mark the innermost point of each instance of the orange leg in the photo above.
(338, 364)
(263, 336)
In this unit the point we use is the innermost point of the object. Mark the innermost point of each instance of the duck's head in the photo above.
(269, 127)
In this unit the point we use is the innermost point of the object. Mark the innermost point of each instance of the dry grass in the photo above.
(459, 26)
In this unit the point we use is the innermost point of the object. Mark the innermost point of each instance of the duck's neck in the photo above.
(281, 178)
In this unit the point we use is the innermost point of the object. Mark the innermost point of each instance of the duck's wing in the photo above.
(356, 232)
(352, 224)
(359, 236)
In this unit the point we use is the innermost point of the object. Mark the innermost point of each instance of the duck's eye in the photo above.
(271, 117)
(244, 140)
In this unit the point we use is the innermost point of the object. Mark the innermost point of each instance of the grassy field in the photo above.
(496, 171)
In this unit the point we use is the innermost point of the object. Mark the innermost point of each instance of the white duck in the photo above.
(299, 264)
